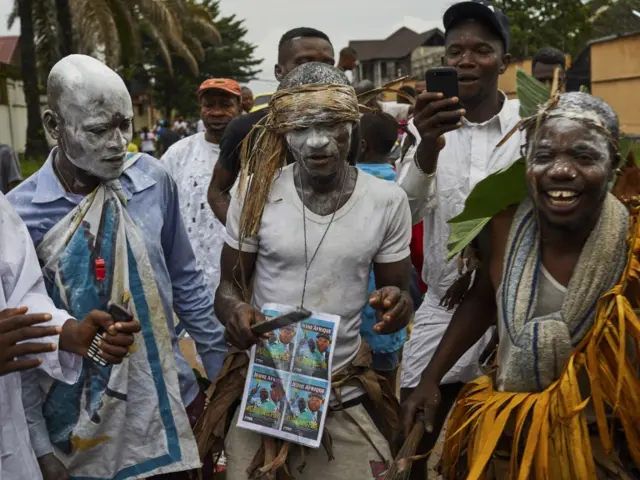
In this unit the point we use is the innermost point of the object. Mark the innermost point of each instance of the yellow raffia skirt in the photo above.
(547, 432)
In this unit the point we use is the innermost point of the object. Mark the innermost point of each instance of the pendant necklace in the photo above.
(304, 229)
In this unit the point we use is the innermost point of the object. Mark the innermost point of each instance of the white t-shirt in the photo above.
(146, 140)
(374, 225)
(399, 111)
(200, 126)
(190, 162)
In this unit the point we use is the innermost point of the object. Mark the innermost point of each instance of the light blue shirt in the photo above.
(154, 207)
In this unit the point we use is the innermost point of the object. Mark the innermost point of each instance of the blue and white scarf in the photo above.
(122, 421)
(539, 347)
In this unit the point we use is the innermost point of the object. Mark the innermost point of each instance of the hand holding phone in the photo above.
(119, 314)
(437, 112)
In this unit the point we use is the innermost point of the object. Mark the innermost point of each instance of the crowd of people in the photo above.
(326, 203)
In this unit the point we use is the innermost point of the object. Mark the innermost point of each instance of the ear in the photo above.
(277, 71)
(51, 123)
(506, 60)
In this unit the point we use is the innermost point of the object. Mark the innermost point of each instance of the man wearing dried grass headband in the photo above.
(308, 234)
(559, 272)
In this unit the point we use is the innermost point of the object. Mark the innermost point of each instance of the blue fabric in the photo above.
(154, 207)
(379, 343)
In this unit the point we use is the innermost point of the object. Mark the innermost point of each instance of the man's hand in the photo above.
(16, 327)
(76, 336)
(425, 398)
(394, 309)
(238, 328)
(52, 468)
(433, 118)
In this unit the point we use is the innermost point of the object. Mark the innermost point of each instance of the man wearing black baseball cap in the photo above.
(455, 140)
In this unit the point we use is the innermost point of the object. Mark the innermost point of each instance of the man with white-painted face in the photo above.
(309, 234)
(108, 230)
(296, 47)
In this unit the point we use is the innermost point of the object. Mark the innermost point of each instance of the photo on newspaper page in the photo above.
(277, 350)
(307, 399)
(314, 348)
(288, 383)
(265, 401)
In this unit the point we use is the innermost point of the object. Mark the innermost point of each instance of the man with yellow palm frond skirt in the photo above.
(559, 273)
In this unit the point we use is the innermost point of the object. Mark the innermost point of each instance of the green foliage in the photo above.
(232, 58)
(503, 188)
(488, 198)
(530, 92)
(612, 17)
(535, 24)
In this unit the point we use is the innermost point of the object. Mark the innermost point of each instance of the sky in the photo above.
(341, 20)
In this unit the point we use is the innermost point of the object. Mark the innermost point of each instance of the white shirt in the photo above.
(190, 162)
(177, 125)
(22, 285)
(200, 126)
(470, 155)
(146, 142)
(373, 226)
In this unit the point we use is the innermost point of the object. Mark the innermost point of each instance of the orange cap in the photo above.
(224, 84)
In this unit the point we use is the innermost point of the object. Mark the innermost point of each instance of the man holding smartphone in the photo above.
(454, 148)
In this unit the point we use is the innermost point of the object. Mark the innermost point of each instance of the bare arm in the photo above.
(392, 298)
(236, 271)
(218, 194)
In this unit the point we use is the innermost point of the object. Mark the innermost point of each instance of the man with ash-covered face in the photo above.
(107, 227)
(309, 221)
(558, 276)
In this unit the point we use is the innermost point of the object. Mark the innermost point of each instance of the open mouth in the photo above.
(467, 79)
(562, 199)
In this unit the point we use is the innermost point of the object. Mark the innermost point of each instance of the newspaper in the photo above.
(288, 385)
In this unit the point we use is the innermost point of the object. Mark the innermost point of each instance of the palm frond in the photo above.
(128, 31)
(97, 26)
(195, 46)
(183, 51)
(160, 14)
(13, 16)
(157, 36)
(204, 28)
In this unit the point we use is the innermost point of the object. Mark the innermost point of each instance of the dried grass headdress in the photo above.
(264, 150)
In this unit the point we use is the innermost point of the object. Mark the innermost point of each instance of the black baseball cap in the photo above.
(482, 11)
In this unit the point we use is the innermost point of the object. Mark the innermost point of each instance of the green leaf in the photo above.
(489, 197)
(495, 193)
(530, 92)
(462, 234)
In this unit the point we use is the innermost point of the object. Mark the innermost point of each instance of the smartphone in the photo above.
(119, 314)
(442, 80)
(280, 321)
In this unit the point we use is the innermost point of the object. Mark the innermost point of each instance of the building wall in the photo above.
(424, 58)
(13, 114)
(507, 81)
(615, 77)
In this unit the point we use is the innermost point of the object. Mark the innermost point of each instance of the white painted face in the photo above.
(91, 116)
(321, 149)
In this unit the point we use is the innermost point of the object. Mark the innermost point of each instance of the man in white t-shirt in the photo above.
(311, 240)
(191, 160)
(148, 142)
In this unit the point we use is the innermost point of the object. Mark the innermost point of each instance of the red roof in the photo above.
(8, 46)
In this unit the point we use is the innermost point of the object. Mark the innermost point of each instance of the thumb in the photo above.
(430, 410)
(375, 300)
(101, 319)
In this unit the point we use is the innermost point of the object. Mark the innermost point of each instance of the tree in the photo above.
(113, 29)
(36, 140)
(233, 58)
(612, 17)
(535, 24)
(65, 22)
